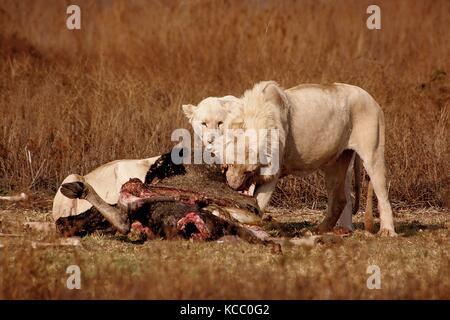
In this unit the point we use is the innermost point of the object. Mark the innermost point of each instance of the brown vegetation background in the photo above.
(74, 100)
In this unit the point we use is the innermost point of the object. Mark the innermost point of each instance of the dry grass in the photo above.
(77, 99)
(414, 266)
(74, 100)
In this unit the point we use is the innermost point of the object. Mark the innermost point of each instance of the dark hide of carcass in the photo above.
(175, 201)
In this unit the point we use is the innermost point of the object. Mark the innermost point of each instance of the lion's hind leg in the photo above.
(376, 170)
(345, 219)
(370, 147)
(335, 176)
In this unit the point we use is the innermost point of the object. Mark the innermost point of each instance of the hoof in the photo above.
(384, 232)
(73, 190)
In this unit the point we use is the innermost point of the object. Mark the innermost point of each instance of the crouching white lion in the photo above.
(320, 127)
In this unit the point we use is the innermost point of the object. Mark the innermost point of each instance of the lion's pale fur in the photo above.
(317, 124)
(257, 112)
(209, 116)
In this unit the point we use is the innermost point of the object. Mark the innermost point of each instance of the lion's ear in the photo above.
(189, 110)
(275, 94)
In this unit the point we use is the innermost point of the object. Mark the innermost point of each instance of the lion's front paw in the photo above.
(385, 232)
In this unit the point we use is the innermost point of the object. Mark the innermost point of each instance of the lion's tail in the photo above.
(368, 214)
(357, 172)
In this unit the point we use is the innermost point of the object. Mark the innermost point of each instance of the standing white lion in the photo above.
(320, 127)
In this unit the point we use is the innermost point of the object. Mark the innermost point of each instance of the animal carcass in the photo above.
(175, 201)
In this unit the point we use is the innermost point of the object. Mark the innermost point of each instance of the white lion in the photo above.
(212, 116)
(320, 127)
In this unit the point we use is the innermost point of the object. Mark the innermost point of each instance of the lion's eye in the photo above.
(204, 124)
(220, 123)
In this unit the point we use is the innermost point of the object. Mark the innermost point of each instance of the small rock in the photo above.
(304, 242)
(229, 239)
(314, 240)
(308, 233)
(329, 239)
(72, 241)
(46, 227)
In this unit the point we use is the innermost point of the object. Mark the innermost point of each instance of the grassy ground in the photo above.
(415, 265)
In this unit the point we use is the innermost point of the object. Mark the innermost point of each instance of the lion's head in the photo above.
(263, 123)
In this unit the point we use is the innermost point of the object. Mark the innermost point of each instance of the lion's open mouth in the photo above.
(191, 226)
(245, 184)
